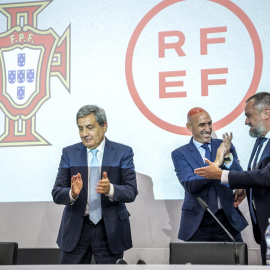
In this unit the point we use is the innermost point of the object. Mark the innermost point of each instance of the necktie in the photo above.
(212, 194)
(94, 197)
(254, 166)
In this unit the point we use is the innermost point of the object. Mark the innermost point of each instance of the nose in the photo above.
(208, 129)
(84, 133)
(246, 121)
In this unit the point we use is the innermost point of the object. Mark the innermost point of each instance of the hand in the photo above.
(220, 155)
(239, 196)
(76, 185)
(103, 185)
(227, 141)
(209, 172)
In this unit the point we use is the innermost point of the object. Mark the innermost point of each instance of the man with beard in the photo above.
(257, 179)
(197, 224)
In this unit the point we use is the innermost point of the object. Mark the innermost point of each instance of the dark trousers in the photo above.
(210, 231)
(93, 241)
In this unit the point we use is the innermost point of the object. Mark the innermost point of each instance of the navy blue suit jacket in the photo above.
(259, 181)
(186, 159)
(118, 163)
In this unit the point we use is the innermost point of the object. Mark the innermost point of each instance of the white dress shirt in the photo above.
(100, 153)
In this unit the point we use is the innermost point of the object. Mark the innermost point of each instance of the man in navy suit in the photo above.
(197, 225)
(95, 179)
(257, 179)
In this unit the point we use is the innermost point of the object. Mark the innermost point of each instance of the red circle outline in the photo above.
(231, 116)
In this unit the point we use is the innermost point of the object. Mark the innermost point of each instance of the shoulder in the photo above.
(181, 149)
(74, 147)
(117, 146)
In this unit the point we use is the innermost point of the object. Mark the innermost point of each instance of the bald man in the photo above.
(195, 224)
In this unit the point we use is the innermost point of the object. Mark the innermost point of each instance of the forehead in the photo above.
(87, 120)
(201, 117)
(249, 107)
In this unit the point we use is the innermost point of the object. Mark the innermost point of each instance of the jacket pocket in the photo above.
(124, 214)
(188, 206)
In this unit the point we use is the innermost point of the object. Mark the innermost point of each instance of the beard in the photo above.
(257, 131)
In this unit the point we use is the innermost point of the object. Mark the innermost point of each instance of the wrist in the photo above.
(228, 158)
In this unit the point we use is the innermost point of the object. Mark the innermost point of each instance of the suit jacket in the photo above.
(186, 159)
(259, 181)
(118, 163)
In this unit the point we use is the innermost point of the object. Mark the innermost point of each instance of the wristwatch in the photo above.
(228, 157)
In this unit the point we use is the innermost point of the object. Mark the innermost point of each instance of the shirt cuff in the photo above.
(71, 199)
(225, 176)
(111, 192)
(228, 165)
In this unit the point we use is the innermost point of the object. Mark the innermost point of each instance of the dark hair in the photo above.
(99, 113)
(261, 101)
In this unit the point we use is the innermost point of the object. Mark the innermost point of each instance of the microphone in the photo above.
(206, 208)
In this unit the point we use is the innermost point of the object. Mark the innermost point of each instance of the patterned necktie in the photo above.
(212, 194)
(254, 166)
(94, 197)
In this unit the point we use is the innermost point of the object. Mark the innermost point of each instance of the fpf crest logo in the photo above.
(28, 57)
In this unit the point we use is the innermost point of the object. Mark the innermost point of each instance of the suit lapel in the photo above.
(82, 160)
(253, 153)
(266, 151)
(214, 146)
(195, 154)
(108, 156)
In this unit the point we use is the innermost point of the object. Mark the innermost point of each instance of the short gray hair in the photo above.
(261, 101)
(99, 113)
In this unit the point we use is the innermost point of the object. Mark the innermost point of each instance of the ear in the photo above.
(267, 113)
(105, 126)
(189, 127)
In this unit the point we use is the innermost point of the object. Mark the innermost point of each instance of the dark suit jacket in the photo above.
(259, 181)
(186, 159)
(118, 163)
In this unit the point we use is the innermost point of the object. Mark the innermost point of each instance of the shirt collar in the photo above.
(198, 144)
(267, 136)
(100, 148)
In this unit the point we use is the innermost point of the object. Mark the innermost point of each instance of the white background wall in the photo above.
(100, 35)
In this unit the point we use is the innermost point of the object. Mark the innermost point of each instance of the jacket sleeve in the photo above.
(126, 190)
(259, 178)
(191, 182)
(235, 165)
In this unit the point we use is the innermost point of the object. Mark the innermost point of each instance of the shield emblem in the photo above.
(30, 75)
(21, 59)
(21, 76)
(20, 73)
(11, 76)
(20, 92)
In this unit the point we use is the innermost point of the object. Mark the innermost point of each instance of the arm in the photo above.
(65, 184)
(125, 186)
(259, 178)
(191, 182)
(213, 171)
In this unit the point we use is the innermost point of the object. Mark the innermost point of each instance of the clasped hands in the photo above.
(103, 185)
(214, 172)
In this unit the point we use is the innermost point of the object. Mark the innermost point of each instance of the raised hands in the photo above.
(76, 185)
(103, 186)
(224, 149)
(227, 141)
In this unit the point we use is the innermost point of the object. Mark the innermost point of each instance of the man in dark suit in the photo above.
(257, 179)
(197, 225)
(95, 220)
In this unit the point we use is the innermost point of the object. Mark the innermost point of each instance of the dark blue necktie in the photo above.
(254, 166)
(212, 194)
